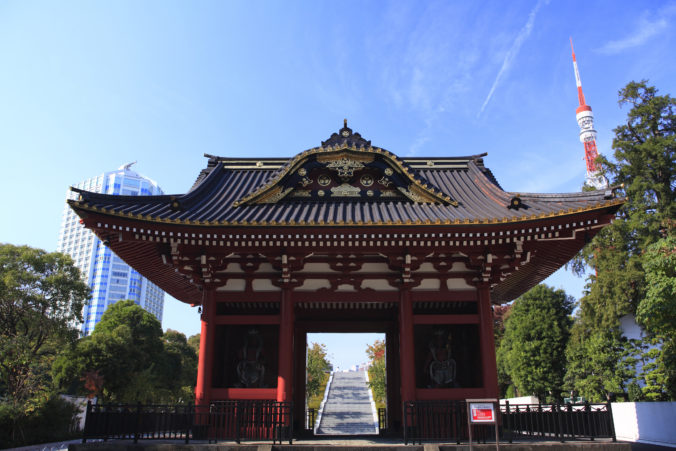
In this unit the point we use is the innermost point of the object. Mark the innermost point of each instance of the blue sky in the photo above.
(88, 86)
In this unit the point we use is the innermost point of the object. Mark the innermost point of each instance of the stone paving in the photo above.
(348, 409)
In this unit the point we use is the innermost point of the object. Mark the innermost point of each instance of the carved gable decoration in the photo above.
(345, 167)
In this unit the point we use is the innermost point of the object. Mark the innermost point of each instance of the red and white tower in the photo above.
(585, 119)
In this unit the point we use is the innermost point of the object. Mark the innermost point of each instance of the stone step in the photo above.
(348, 409)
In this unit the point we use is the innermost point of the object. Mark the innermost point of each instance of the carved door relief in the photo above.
(246, 356)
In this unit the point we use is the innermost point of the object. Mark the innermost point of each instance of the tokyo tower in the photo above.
(585, 119)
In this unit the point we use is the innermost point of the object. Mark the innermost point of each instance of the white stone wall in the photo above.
(521, 400)
(646, 422)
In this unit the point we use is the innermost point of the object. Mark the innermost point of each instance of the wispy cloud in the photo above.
(646, 28)
(513, 51)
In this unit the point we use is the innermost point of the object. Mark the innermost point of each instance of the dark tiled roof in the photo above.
(211, 202)
(326, 185)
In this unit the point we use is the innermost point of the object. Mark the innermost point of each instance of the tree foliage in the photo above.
(645, 155)
(599, 363)
(532, 351)
(657, 310)
(194, 342)
(500, 314)
(180, 366)
(657, 314)
(644, 169)
(128, 359)
(377, 371)
(41, 300)
(318, 367)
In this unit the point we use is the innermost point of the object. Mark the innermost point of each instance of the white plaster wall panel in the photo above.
(428, 284)
(314, 285)
(371, 267)
(345, 288)
(630, 328)
(266, 267)
(377, 284)
(459, 266)
(233, 268)
(233, 285)
(317, 268)
(427, 267)
(264, 285)
(459, 284)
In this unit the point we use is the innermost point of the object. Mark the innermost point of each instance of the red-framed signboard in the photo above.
(482, 411)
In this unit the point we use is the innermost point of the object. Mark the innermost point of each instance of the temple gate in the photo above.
(346, 237)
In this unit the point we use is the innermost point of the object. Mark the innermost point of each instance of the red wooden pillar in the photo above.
(406, 353)
(285, 375)
(206, 356)
(488, 363)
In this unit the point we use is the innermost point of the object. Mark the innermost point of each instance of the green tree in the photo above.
(532, 351)
(378, 372)
(500, 314)
(318, 367)
(645, 161)
(600, 363)
(41, 300)
(644, 168)
(130, 358)
(194, 342)
(180, 368)
(657, 314)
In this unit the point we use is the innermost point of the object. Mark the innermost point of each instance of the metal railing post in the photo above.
(508, 422)
(405, 423)
(139, 407)
(290, 406)
(587, 420)
(559, 429)
(188, 422)
(237, 422)
(87, 419)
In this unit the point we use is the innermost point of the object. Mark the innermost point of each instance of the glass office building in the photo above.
(110, 278)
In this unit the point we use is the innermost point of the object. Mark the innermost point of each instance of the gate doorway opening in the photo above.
(347, 340)
(345, 383)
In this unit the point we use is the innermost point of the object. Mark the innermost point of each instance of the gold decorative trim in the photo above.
(337, 153)
(345, 190)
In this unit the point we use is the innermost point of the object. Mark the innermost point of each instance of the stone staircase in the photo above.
(348, 409)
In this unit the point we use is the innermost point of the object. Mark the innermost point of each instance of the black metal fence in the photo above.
(556, 421)
(310, 418)
(223, 420)
(447, 421)
(382, 419)
(435, 421)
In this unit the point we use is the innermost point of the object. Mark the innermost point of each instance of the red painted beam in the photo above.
(445, 319)
(248, 319)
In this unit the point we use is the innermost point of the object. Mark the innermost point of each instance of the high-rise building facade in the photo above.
(110, 278)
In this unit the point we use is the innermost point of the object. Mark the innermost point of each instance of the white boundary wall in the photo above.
(521, 400)
(646, 422)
